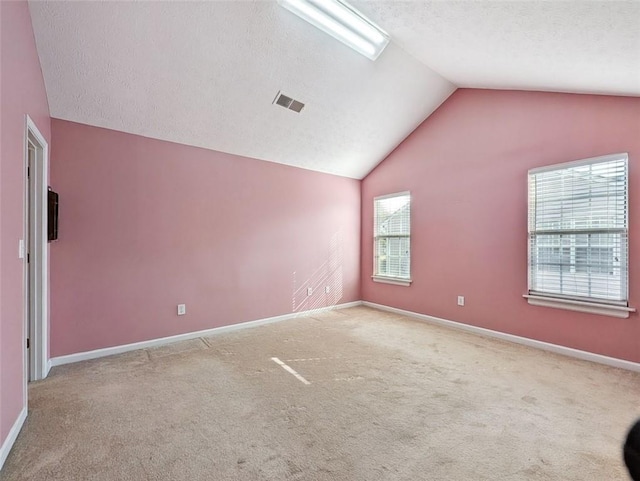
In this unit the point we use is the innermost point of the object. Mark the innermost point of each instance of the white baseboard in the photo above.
(12, 436)
(566, 351)
(109, 351)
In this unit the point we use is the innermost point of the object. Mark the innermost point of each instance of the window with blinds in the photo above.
(392, 236)
(578, 230)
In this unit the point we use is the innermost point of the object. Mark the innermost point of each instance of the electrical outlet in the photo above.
(326, 290)
(182, 309)
(461, 300)
(309, 291)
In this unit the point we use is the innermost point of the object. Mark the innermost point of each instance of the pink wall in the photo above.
(22, 92)
(147, 224)
(466, 168)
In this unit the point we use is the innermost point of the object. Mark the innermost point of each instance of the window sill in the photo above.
(590, 307)
(392, 280)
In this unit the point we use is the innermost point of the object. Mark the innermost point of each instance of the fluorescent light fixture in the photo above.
(342, 22)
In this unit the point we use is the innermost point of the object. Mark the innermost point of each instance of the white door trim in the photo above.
(39, 352)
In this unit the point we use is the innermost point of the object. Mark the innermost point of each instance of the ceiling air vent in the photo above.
(288, 103)
(296, 106)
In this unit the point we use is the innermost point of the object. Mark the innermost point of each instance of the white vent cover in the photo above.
(288, 102)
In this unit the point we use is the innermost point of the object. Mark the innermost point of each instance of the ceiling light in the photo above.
(342, 22)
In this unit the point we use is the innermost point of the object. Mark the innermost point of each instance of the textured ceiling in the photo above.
(580, 46)
(205, 74)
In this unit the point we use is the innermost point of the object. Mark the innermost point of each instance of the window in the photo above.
(578, 232)
(392, 239)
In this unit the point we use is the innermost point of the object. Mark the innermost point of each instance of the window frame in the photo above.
(597, 305)
(376, 277)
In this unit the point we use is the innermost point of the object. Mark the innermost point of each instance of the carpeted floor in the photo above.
(389, 399)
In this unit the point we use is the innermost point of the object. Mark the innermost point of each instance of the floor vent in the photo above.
(288, 103)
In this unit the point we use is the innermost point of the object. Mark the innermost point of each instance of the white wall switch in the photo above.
(182, 309)
(461, 300)
(21, 249)
(309, 291)
(326, 290)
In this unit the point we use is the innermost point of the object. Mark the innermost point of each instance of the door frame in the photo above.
(36, 306)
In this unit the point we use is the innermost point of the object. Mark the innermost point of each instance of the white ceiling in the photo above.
(580, 46)
(205, 74)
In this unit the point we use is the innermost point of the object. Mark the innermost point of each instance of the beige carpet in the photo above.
(389, 399)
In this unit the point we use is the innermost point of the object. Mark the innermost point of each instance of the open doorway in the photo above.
(36, 254)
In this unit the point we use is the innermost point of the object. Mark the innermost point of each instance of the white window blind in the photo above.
(578, 230)
(392, 236)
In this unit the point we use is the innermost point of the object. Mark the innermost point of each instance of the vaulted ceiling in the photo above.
(206, 73)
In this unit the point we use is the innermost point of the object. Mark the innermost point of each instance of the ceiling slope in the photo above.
(206, 74)
(577, 46)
